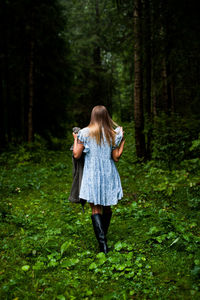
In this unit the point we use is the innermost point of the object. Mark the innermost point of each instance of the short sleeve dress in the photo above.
(101, 182)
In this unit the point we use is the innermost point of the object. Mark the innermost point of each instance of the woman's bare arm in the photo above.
(116, 153)
(77, 148)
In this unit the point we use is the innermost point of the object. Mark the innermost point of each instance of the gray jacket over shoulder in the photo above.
(78, 165)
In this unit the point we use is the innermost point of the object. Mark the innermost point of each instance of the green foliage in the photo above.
(48, 247)
(172, 140)
(195, 145)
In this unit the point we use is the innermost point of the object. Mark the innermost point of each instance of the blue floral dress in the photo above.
(101, 183)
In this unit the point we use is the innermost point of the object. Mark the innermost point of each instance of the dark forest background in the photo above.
(141, 59)
(58, 59)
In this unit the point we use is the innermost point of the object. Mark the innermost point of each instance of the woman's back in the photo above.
(101, 182)
(102, 151)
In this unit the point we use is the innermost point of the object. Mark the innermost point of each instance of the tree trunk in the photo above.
(31, 94)
(5, 132)
(147, 49)
(97, 60)
(110, 91)
(148, 67)
(166, 68)
(138, 97)
(97, 50)
(172, 97)
(22, 111)
(165, 98)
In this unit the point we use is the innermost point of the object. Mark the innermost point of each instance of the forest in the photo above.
(140, 59)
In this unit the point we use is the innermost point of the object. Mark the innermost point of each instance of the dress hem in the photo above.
(102, 204)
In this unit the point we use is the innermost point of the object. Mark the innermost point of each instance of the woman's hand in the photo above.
(74, 135)
(78, 147)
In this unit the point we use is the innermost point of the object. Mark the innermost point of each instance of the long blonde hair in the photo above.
(100, 120)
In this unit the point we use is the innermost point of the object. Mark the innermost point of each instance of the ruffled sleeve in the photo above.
(118, 137)
(83, 139)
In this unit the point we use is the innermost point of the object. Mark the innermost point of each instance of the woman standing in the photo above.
(101, 185)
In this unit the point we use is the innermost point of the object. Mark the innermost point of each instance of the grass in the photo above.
(48, 249)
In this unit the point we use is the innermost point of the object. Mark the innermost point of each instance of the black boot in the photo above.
(106, 217)
(99, 232)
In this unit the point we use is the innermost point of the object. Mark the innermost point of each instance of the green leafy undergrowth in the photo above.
(48, 249)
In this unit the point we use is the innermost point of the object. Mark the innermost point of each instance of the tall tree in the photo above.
(34, 75)
(147, 73)
(138, 88)
(31, 81)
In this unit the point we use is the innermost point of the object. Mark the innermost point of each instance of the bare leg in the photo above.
(96, 209)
